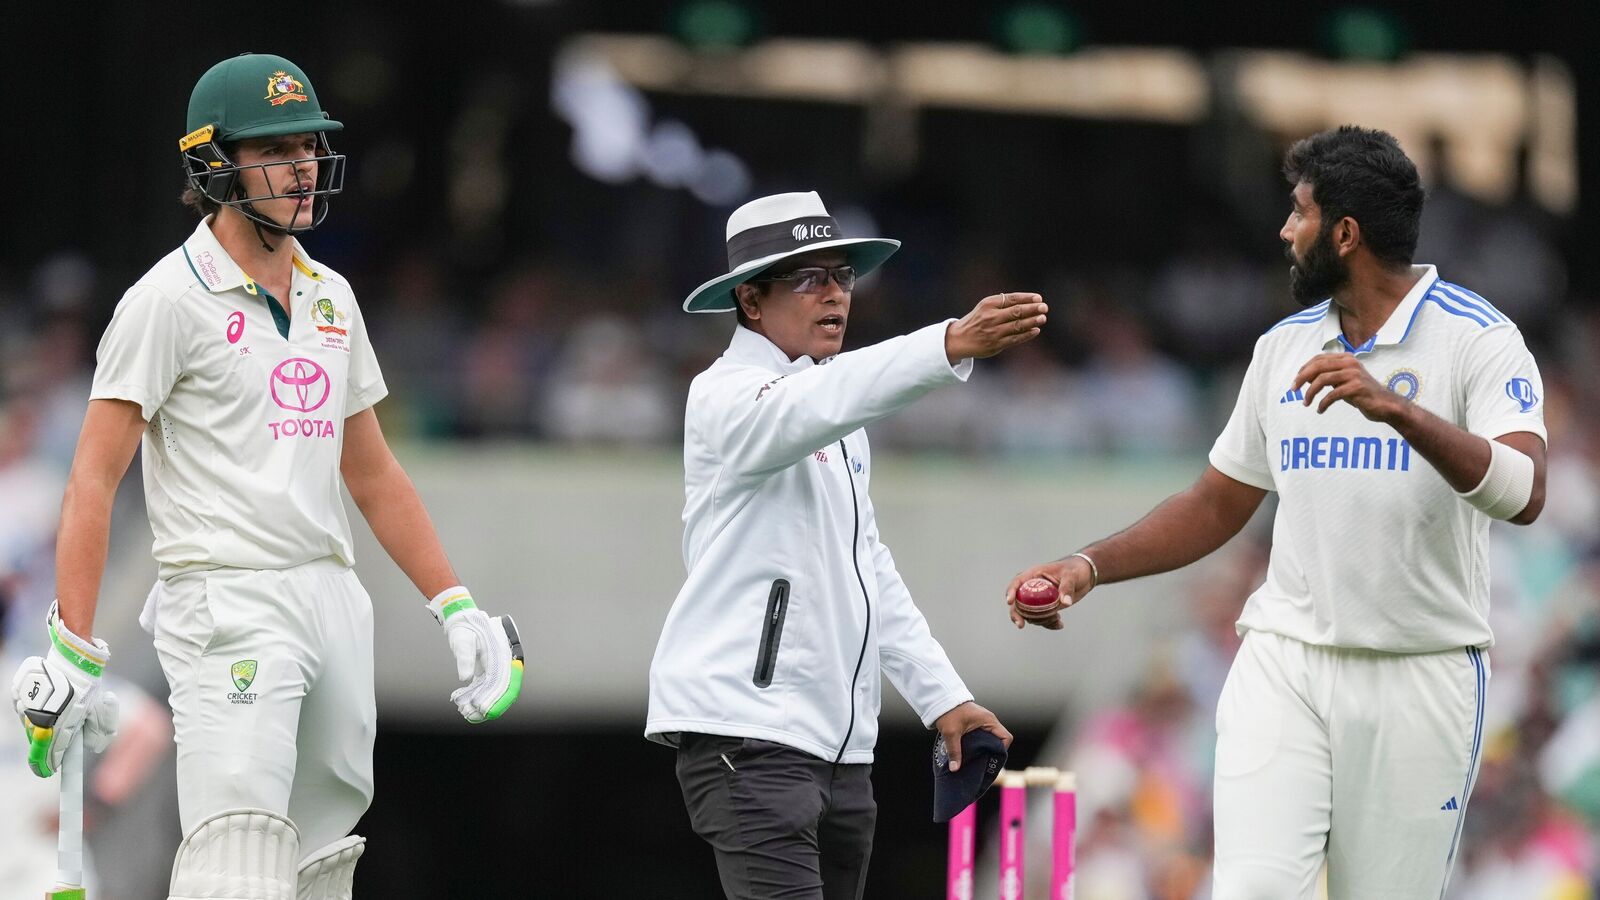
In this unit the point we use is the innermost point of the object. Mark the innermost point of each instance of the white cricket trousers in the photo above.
(272, 693)
(1354, 757)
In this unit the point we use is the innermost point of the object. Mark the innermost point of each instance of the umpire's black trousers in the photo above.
(785, 825)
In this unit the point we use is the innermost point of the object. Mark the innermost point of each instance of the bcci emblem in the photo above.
(283, 87)
(244, 675)
(1405, 383)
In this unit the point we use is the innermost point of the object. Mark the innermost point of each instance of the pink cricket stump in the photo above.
(1013, 834)
(1063, 838)
(963, 838)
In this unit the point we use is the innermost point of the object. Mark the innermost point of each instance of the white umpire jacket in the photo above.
(793, 606)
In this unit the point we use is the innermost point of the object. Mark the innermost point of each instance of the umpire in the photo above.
(767, 674)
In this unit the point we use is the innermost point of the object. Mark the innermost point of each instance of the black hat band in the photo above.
(779, 237)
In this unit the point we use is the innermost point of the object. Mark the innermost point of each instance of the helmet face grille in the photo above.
(217, 177)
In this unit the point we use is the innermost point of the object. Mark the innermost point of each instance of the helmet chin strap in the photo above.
(256, 218)
(259, 236)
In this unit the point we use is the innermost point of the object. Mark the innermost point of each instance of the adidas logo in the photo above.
(1291, 396)
(1450, 804)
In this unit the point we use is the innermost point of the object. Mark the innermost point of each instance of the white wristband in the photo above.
(1507, 486)
(450, 601)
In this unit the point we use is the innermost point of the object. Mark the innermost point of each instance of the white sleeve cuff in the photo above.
(136, 394)
(1230, 467)
(962, 369)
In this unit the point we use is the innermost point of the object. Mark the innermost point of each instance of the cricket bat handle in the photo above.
(69, 835)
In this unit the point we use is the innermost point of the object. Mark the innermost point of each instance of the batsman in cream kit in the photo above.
(243, 369)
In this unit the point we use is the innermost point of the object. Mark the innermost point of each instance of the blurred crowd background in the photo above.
(535, 186)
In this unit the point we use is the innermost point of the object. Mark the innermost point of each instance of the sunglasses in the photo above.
(814, 279)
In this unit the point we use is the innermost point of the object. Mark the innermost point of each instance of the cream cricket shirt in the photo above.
(246, 408)
(1371, 548)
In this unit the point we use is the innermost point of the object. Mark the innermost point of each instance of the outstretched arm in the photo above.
(389, 502)
(1182, 529)
(758, 424)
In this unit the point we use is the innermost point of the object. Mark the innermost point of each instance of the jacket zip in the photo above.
(771, 633)
(855, 540)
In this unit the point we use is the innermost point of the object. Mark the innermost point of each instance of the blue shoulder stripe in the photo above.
(1443, 302)
(1305, 316)
(1468, 298)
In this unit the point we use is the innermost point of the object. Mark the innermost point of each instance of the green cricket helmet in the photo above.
(256, 95)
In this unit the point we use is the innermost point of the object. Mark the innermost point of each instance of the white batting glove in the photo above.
(59, 694)
(488, 655)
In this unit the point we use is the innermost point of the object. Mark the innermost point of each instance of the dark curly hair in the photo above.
(1362, 173)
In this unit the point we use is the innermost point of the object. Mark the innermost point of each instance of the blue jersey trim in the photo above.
(1481, 677)
(1413, 322)
(1444, 303)
(1304, 317)
(1364, 348)
(193, 271)
(1469, 299)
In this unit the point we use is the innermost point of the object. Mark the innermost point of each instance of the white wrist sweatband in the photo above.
(1508, 485)
(450, 601)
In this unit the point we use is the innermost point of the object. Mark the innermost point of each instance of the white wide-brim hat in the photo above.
(769, 229)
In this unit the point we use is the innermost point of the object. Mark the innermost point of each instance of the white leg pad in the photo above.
(327, 874)
(238, 854)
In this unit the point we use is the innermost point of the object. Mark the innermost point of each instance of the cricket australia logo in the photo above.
(327, 318)
(244, 675)
(283, 87)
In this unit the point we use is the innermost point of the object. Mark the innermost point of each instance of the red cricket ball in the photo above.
(1038, 595)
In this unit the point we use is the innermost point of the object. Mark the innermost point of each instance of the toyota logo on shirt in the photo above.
(300, 385)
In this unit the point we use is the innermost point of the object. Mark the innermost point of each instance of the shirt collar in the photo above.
(211, 264)
(218, 272)
(748, 346)
(1396, 327)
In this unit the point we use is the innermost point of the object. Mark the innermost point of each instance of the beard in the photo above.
(1315, 278)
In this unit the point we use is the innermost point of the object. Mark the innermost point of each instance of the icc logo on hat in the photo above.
(812, 232)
